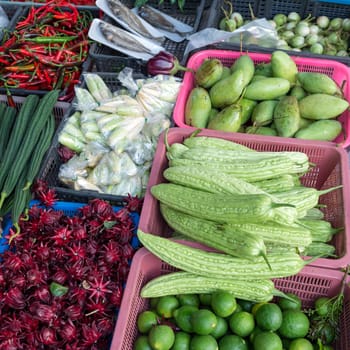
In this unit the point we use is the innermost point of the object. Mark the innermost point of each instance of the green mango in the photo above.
(228, 119)
(267, 89)
(287, 116)
(263, 112)
(283, 66)
(197, 108)
(314, 82)
(298, 92)
(246, 64)
(226, 71)
(227, 91)
(261, 130)
(322, 106)
(247, 108)
(263, 69)
(321, 130)
(209, 72)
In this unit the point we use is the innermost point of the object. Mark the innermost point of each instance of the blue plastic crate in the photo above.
(69, 209)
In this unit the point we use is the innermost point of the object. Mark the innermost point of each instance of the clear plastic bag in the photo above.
(257, 32)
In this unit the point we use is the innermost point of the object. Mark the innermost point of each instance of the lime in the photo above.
(286, 304)
(322, 305)
(242, 323)
(300, 344)
(232, 342)
(161, 337)
(188, 299)
(246, 305)
(141, 343)
(182, 317)
(295, 324)
(269, 317)
(252, 335)
(166, 305)
(267, 341)
(153, 303)
(182, 341)
(220, 329)
(203, 321)
(223, 303)
(205, 298)
(239, 308)
(256, 307)
(146, 320)
(203, 342)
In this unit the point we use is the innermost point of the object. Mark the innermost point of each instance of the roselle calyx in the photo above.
(164, 63)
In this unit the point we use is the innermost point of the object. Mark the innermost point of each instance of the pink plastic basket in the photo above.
(331, 169)
(309, 284)
(336, 70)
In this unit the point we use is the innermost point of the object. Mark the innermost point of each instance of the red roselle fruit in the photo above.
(164, 63)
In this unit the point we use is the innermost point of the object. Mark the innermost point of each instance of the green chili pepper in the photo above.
(51, 39)
(57, 290)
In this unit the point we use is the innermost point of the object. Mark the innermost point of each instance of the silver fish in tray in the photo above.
(129, 17)
(157, 19)
(122, 38)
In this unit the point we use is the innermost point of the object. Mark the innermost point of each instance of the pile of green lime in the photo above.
(219, 321)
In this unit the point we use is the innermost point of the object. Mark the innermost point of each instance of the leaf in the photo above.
(139, 3)
(109, 224)
(181, 4)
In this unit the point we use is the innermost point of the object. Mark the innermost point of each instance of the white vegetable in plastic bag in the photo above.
(71, 135)
(93, 153)
(123, 105)
(159, 95)
(126, 131)
(84, 100)
(131, 185)
(97, 87)
(141, 150)
(155, 124)
(71, 170)
(101, 174)
(83, 184)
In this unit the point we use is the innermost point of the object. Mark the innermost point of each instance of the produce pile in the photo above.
(46, 50)
(213, 319)
(316, 35)
(272, 98)
(61, 280)
(247, 219)
(113, 135)
(26, 136)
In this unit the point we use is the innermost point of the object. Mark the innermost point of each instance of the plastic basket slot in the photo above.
(329, 9)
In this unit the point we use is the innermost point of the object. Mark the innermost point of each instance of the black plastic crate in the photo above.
(52, 161)
(59, 111)
(108, 60)
(268, 9)
(20, 11)
(13, 13)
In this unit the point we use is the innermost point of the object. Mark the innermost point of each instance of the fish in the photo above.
(157, 19)
(123, 13)
(122, 38)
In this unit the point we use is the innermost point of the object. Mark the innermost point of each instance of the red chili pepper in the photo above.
(10, 100)
(4, 61)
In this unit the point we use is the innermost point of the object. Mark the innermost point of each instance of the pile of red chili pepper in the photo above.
(62, 279)
(75, 2)
(46, 50)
